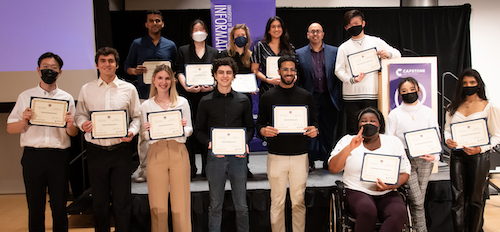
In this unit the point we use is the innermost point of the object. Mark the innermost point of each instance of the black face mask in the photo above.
(410, 97)
(470, 90)
(240, 41)
(49, 76)
(369, 130)
(355, 30)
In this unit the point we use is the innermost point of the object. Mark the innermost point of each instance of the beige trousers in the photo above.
(168, 169)
(292, 170)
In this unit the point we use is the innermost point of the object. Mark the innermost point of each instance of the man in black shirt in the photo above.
(287, 160)
(225, 108)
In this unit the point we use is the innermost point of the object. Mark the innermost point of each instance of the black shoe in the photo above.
(249, 174)
(203, 173)
(312, 168)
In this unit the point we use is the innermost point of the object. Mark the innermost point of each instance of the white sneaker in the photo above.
(141, 177)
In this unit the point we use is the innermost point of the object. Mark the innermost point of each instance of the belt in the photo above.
(107, 148)
(46, 149)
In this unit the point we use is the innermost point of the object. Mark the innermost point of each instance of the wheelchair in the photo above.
(341, 221)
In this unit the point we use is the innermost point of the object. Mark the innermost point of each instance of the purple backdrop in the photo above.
(421, 72)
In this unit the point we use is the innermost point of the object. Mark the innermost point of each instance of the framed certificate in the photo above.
(470, 133)
(165, 124)
(421, 142)
(272, 67)
(108, 124)
(228, 141)
(245, 83)
(151, 66)
(383, 167)
(290, 119)
(48, 112)
(366, 61)
(199, 74)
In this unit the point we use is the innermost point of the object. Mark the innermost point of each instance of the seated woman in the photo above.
(368, 201)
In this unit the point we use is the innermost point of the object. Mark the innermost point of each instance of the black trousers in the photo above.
(109, 172)
(468, 175)
(328, 116)
(46, 168)
(352, 109)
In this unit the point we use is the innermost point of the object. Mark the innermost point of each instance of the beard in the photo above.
(288, 82)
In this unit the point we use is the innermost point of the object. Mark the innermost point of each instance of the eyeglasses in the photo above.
(53, 67)
(287, 69)
(315, 32)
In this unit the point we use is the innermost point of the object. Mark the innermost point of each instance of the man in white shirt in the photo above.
(46, 156)
(359, 90)
(109, 160)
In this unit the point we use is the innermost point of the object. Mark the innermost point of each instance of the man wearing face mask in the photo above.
(316, 75)
(46, 157)
(359, 90)
(152, 46)
(287, 161)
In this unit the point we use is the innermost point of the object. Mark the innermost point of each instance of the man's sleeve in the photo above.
(200, 126)
(341, 66)
(16, 114)
(131, 61)
(82, 113)
(248, 120)
(135, 112)
(263, 118)
(313, 120)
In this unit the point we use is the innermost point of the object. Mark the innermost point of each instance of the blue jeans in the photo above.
(218, 170)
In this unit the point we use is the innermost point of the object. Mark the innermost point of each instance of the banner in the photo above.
(421, 72)
(227, 13)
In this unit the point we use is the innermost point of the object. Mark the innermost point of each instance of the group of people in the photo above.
(317, 76)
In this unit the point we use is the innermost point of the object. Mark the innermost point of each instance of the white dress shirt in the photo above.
(41, 136)
(117, 95)
(151, 106)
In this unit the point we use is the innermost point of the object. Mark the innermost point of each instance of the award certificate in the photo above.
(228, 141)
(383, 167)
(151, 66)
(109, 124)
(290, 119)
(366, 61)
(471, 133)
(165, 124)
(272, 67)
(244, 83)
(199, 74)
(48, 112)
(421, 142)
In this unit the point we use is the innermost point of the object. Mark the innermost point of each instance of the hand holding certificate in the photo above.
(383, 167)
(151, 66)
(422, 142)
(244, 83)
(199, 74)
(228, 141)
(290, 119)
(471, 133)
(48, 112)
(272, 67)
(109, 124)
(165, 124)
(364, 62)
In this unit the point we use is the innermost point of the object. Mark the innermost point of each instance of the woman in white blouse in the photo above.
(469, 166)
(368, 201)
(412, 115)
(168, 168)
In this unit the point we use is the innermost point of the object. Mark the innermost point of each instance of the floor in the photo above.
(14, 211)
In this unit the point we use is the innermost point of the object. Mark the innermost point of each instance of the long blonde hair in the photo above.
(173, 91)
(245, 59)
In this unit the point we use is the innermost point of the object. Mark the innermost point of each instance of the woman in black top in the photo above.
(275, 43)
(198, 52)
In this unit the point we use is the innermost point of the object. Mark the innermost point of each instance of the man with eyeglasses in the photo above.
(287, 161)
(150, 47)
(46, 148)
(316, 74)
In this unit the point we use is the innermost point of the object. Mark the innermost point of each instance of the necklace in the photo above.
(360, 41)
(412, 113)
(163, 104)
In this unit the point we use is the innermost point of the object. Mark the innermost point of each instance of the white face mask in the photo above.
(199, 36)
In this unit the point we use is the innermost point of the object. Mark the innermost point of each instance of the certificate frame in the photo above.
(372, 52)
(148, 77)
(454, 127)
(123, 115)
(305, 120)
(216, 150)
(188, 72)
(50, 101)
(366, 177)
(436, 148)
(242, 83)
(271, 63)
(159, 113)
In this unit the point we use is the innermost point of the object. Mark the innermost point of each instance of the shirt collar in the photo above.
(47, 92)
(218, 94)
(322, 47)
(101, 82)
